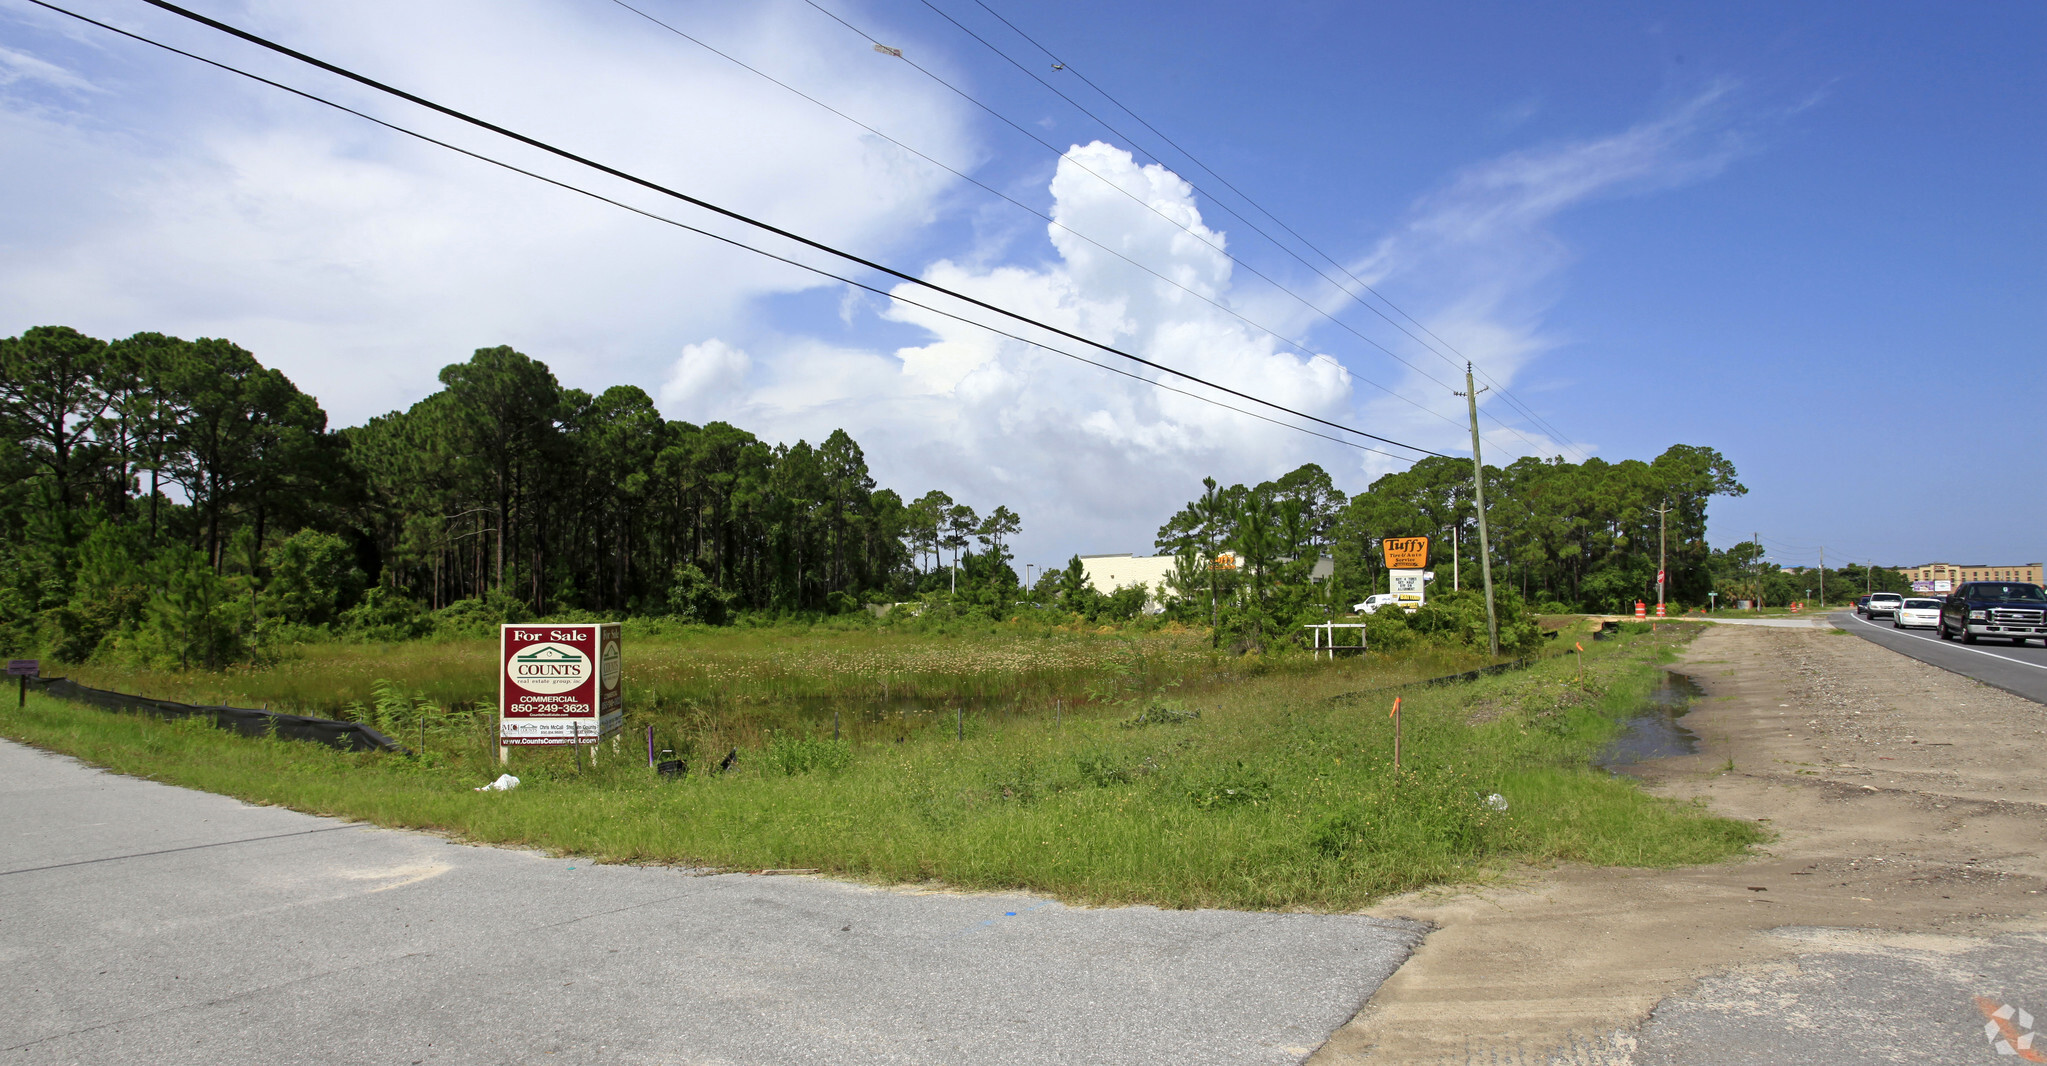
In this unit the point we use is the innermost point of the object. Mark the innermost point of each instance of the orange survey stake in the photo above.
(1395, 715)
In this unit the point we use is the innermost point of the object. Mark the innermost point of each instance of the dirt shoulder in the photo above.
(1907, 800)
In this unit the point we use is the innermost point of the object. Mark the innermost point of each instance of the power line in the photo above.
(746, 219)
(1176, 223)
(1281, 223)
(955, 172)
(1061, 64)
(732, 241)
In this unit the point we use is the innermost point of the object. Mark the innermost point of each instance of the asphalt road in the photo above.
(141, 923)
(2021, 671)
(1854, 998)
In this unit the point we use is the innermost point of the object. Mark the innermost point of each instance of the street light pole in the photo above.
(1662, 558)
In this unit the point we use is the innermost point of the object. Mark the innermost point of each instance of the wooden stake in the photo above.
(1396, 732)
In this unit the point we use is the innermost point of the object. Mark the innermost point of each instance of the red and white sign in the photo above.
(1662, 576)
(558, 684)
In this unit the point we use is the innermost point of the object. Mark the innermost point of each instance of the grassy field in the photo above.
(1094, 768)
(711, 689)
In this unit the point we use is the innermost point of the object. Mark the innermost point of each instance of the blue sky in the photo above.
(1807, 235)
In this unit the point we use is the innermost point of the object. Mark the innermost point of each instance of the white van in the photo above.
(1373, 603)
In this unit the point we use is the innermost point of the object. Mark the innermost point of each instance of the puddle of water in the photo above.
(1654, 733)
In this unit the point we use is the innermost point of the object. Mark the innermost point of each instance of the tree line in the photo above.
(1566, 536)
(178, 500)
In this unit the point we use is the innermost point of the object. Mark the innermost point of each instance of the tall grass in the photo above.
(732, 686)
(1273, 789)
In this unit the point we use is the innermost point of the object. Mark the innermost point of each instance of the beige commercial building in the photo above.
(1943, 577)
(1107, 573)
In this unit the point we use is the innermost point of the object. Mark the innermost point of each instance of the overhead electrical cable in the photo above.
(1298, 346)
(747, 219)
(734, 242)
(1061, 64)
(1311, 305)
(1219, 202)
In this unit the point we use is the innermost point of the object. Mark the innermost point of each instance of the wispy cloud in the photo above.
(1481, 258)
(17, 67)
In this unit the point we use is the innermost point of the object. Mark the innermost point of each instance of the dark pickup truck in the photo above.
(2013, 610)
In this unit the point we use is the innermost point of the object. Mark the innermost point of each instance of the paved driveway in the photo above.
(141, 923)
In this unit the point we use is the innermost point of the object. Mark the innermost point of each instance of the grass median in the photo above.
(1268, 789)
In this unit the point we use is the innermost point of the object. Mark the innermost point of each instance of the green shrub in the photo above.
(191, 621)
(1460, 618)
(386, 616)
(694, 597)
(313, 578)
(480, 617)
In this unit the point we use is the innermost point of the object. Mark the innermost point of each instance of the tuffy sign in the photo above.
(558, 684)
(1406, 553)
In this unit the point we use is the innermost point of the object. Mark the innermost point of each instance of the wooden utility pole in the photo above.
(1485, 560)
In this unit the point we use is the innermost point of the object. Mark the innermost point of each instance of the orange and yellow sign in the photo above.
(1406, 553)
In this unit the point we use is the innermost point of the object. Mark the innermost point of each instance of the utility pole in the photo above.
(1455, 580)
(1823, 577)
(1662, 557)
(1485, 561)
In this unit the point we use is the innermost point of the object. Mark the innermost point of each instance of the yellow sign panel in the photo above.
(1406, 553)
(1225, 561)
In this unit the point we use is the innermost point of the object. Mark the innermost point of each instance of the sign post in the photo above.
(1407, 561)
(22, 670)
(557, 684)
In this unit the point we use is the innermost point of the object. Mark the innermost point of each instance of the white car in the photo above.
(1916, 612)
(1373, 603)
(1883, 603)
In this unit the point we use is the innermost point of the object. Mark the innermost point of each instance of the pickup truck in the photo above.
(2012, 610)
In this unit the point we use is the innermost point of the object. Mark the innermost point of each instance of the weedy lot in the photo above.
(1096, 767)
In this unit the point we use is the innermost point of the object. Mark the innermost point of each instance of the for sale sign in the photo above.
(558, 684)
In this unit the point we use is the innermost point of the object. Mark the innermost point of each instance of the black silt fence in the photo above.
(1447, 679)
(353, 736)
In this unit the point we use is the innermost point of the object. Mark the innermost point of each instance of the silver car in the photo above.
(1916, 612)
